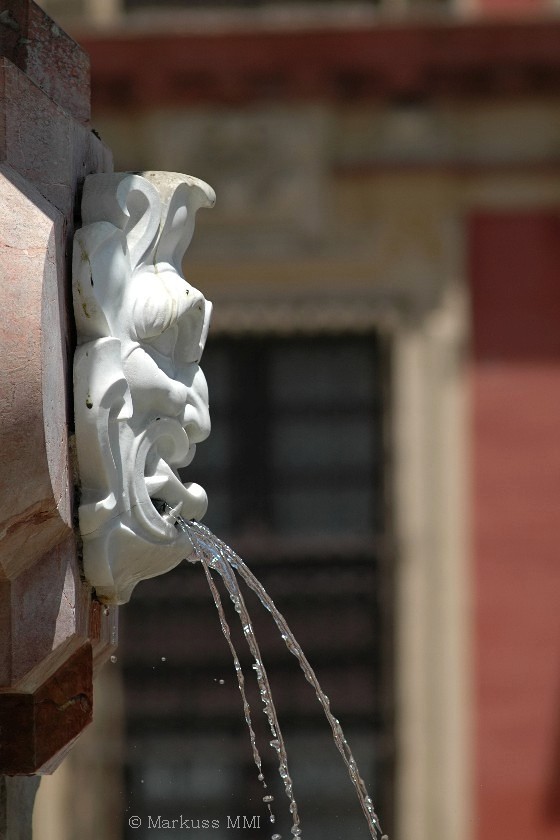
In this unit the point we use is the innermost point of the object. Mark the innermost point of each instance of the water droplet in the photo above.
(276, 837)
(268, 798)
(260, 777)
(163, 658)
(113, 659)
(221, 682)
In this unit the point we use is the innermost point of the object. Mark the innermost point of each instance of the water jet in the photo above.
(141, 406)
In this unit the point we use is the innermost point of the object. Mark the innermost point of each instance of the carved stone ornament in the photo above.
(141, 401)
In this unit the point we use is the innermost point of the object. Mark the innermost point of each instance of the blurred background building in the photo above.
(384, 371)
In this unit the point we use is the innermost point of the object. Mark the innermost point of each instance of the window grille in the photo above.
(294, 472)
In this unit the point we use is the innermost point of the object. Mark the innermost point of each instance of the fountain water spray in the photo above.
(141, 406)
(214, 554)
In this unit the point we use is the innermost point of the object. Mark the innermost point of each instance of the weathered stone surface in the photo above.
(47, 613)
(47, 55)
(36, 517)
(48, 710)
(41, 608)
(102, 631)
(36, 512)
(41, 141)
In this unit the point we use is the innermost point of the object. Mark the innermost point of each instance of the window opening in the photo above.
(294, 471)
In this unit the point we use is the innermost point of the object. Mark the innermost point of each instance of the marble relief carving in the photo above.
(141, 401)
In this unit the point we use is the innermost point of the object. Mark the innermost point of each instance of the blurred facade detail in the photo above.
(388, 200)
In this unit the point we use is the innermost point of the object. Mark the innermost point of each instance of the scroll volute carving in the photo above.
(141, 401)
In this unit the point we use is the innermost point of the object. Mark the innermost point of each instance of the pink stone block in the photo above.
(35, 490)
(42, 142)
(44, 713)
(52, 630)
(46, 610)
(32, 41)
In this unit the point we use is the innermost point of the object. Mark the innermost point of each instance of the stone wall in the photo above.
(53, 634)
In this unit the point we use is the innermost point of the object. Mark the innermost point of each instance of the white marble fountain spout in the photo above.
(140, 397)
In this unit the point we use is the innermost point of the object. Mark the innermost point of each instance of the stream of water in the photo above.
(215, 556)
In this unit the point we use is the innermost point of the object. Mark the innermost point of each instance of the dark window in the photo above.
(294, 473)
(296, 447)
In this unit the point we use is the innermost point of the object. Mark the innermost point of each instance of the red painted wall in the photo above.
(515, 277)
